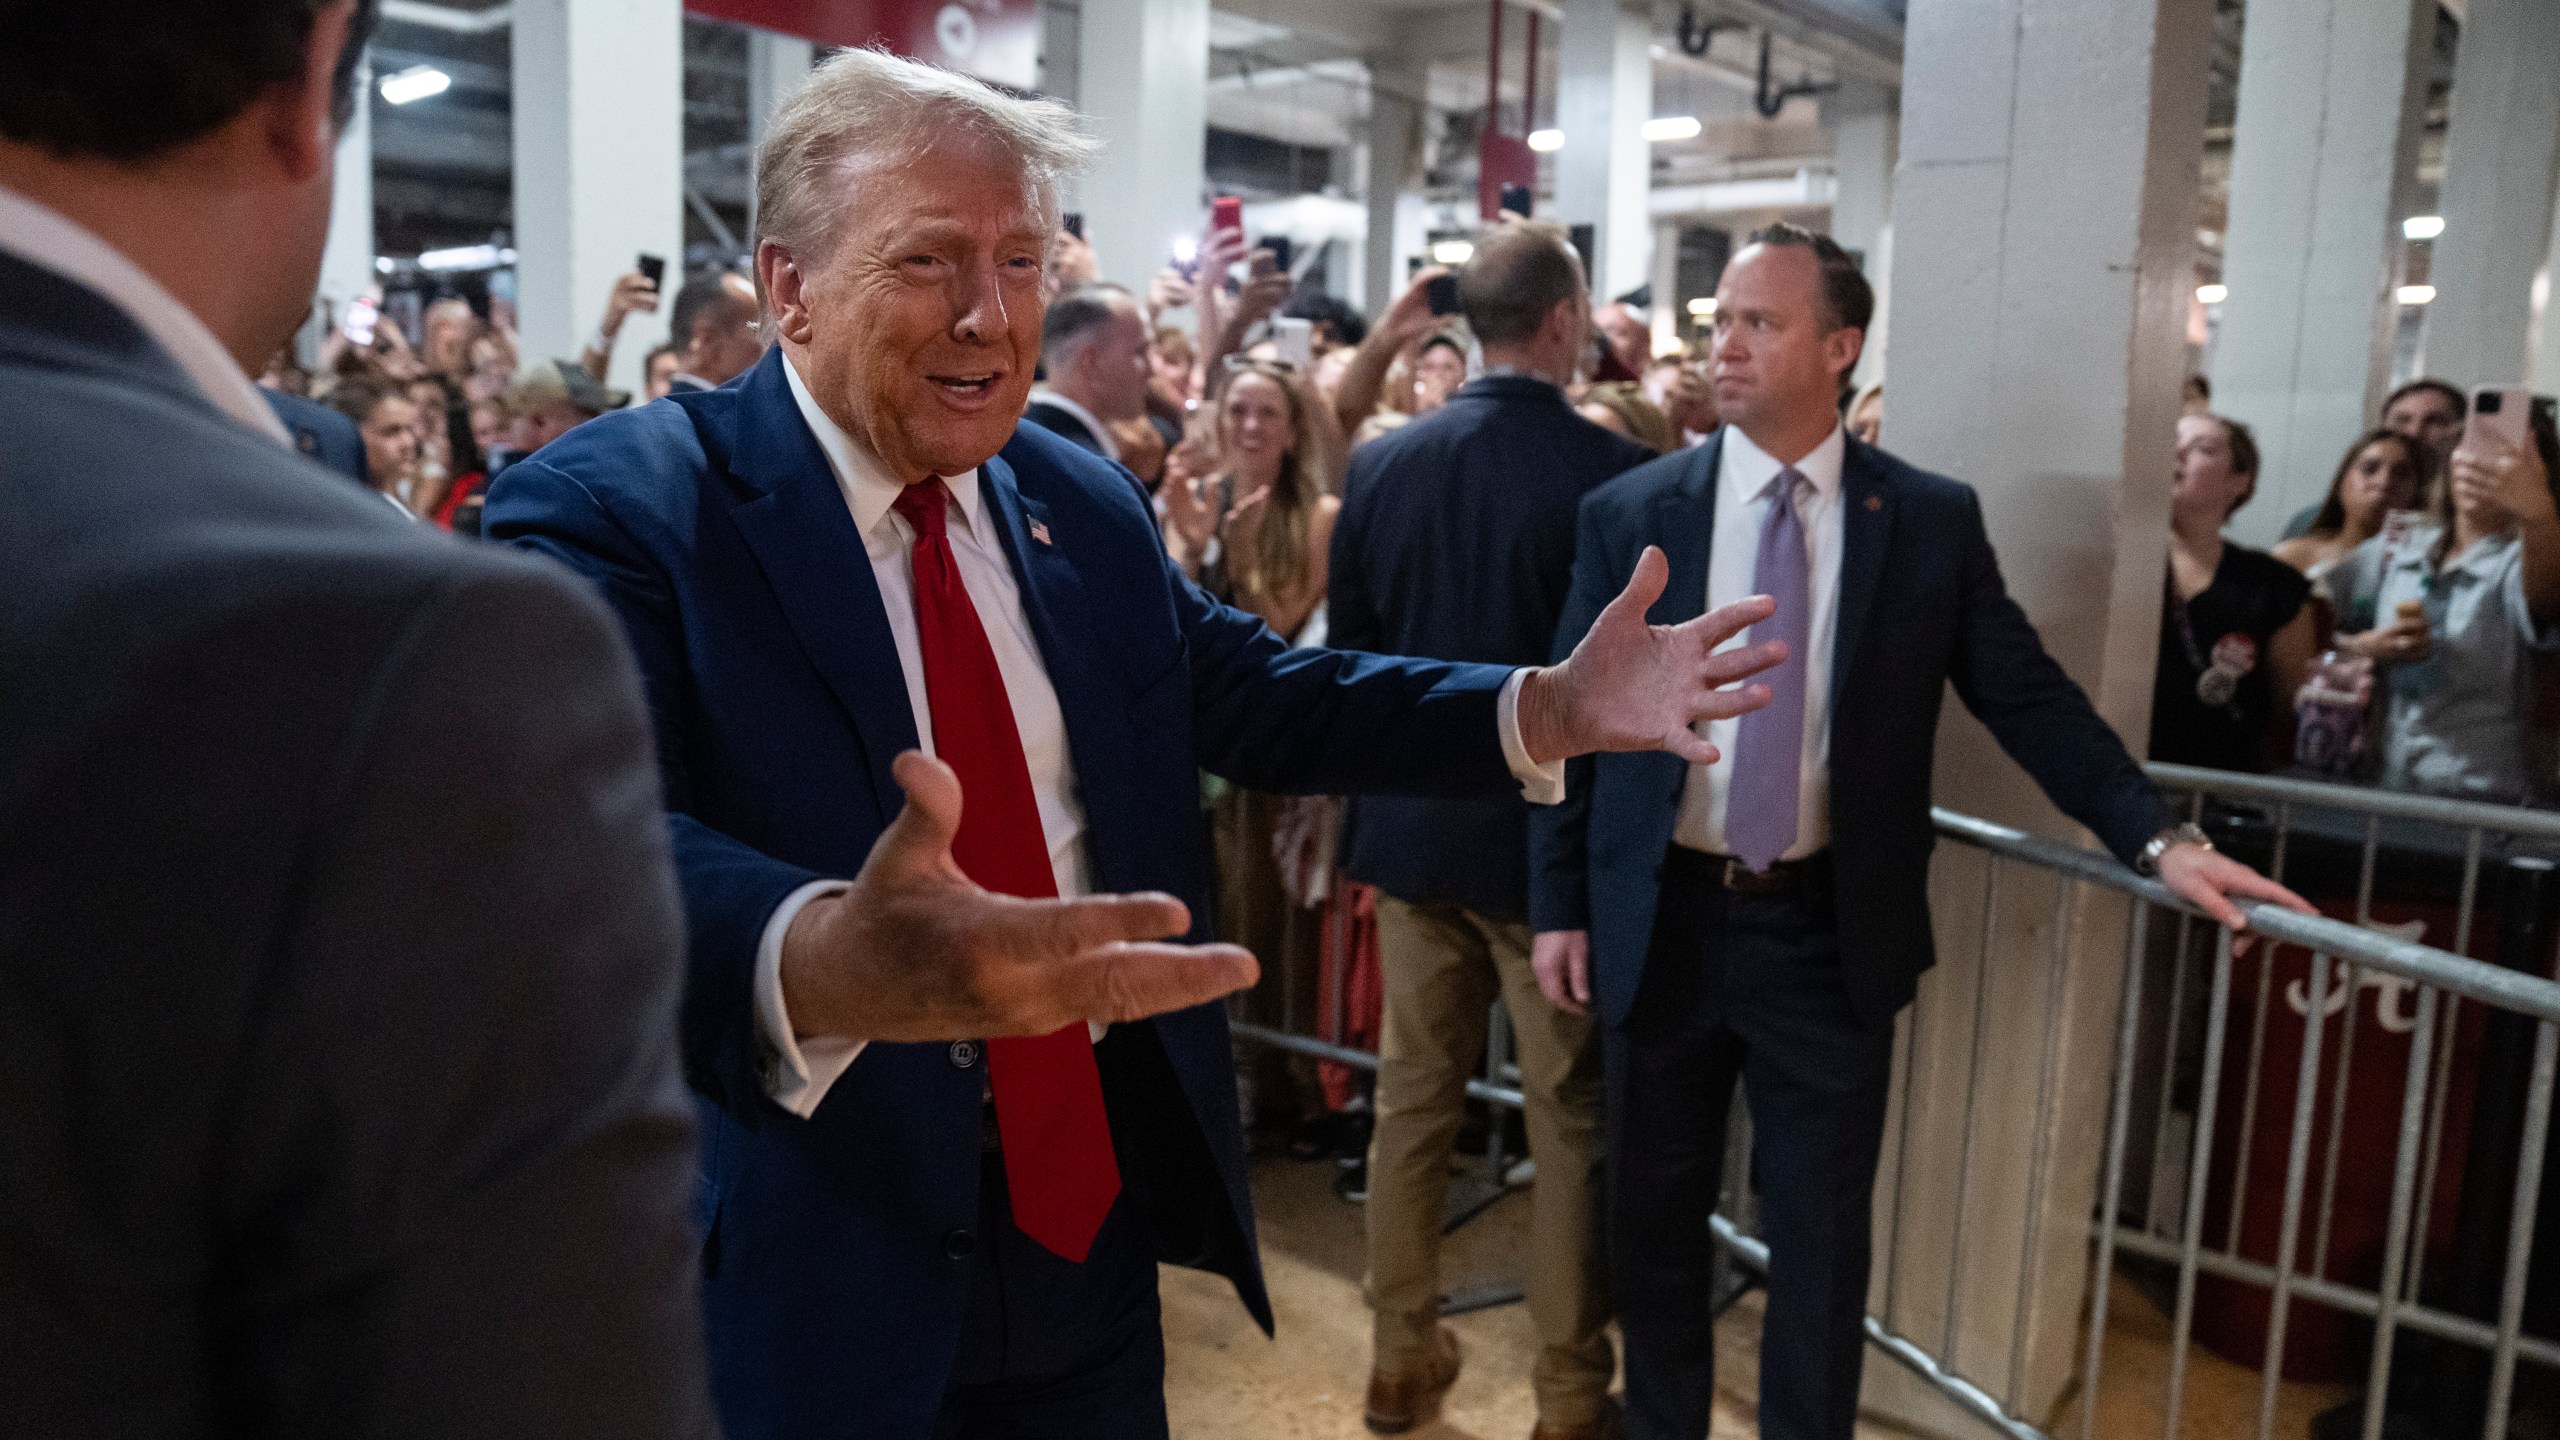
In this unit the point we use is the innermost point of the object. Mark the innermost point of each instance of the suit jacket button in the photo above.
(964, 1053)
(959, 1245)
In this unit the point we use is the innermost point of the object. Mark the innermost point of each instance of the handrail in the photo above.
(2397, 804)
(2458, 974)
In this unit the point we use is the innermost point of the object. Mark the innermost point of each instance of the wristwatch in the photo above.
(2184, 833)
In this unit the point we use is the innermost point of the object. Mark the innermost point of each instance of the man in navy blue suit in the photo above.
(828, 565)
(1764, 920)
(321, 433)
(1456, 541)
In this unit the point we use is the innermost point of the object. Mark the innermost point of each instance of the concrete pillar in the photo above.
(1604, 94)
(777, 65)
(1664, 275)
(1142, 71)
(2330, 98)
(1866, 134)
(2544, 373)
(2500, 149)
(2043, 239)
(599, 167)
(346, 265)
(1396, 90)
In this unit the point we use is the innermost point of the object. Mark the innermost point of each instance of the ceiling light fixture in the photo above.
(414, 84)
(2422, 227)
(1546, 142)
(1452, 252)
(1670, 127)
(2212, 294)
(2417, 294)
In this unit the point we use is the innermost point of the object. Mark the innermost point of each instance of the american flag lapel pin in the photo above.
(1039, 532)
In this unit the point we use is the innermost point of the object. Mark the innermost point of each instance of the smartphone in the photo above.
(1073, 223)
(1441, 293)
(362, 316)
(655, 267)
(1226, 213)
(1282, 250)
(1295, 340)
(2501, 418)
(1186, 257)
(1516, 199)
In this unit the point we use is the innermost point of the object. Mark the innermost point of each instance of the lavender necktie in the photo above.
(1768, 755)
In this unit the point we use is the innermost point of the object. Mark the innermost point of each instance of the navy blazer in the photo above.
(1456, 541)
(1921, 605)
(321, 433)
(714, 525)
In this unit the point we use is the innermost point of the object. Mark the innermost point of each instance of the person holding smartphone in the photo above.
(2464, 610)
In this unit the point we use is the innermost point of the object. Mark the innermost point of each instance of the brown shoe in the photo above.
(1611, 1425)
(1397, 1403)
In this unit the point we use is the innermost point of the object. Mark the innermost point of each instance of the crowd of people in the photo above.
(2407, 612)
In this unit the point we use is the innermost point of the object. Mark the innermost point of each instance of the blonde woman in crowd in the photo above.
(1620, 405)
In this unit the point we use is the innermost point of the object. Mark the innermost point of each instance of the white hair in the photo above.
(867, 105)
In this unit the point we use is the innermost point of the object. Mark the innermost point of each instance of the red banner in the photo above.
(997, 40)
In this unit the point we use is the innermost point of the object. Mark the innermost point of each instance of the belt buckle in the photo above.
(1743, 880)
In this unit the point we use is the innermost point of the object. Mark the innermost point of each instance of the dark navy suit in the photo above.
(321, 433)
(1794, 994)
(837, 1254)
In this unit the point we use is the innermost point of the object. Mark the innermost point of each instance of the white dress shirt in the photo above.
(805, 1070)
(1101, 433)
(1746, 479)
(42, 235)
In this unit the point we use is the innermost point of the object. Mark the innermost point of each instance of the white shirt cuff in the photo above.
(802, 1071)
(1539, 784)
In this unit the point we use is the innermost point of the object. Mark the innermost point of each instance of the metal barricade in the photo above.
(2159, 1179)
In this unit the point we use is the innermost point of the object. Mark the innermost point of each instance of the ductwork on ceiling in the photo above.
(450, 18)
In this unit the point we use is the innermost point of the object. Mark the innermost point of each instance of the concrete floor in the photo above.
(1225, 1381)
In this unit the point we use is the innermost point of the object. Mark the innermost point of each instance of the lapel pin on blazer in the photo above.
(1875, 502)
(1040, 532)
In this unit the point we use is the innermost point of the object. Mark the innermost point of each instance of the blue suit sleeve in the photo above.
(1335, 722)
(1559, 844)
(2039, 714)
(729, 888)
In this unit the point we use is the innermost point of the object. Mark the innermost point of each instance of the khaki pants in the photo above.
(1441, 966)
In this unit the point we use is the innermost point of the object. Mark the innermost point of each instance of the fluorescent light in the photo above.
(2417, 294)
(1452, 252)
(466, 257)
(1670, 127)
(1704, 307)
(415, 83)
(2212, 294)
(1546, 142)
(2422, 227)
(384, 264)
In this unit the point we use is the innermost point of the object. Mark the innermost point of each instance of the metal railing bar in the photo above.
(1902, 1151)
(2396, 804)
(1969, 1397)
(2306, 1099)
(1358, 1059)
(2395, 1245)
(2156, 1213)
(1972, 1087)
(2346, 1058)
(2508, 989)
(2119, 1123)
(2520, 1224)
(2249, 1098)
(2038, 1145)
(2439, 1323)
(2217, 1022)
(2444, 1060)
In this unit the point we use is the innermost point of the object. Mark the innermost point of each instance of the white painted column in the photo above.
(777, 65)
(2043, 238)
(346, 265)
(2500, 149)
(2544, 372)
(1664, 275)
(1394, 131)
(1604, 94)
(599, 167)
(2330, 98)
(1866, 135)
(1142, 72)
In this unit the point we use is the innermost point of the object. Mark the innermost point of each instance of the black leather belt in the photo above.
(1808, 879)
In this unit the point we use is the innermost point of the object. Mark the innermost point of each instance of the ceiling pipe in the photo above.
(449, 19)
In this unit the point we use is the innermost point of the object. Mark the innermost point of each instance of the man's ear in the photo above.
(781, 280)
(1842, 347)
(301, 122)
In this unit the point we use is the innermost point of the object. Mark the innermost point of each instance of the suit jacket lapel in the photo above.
(1685, 526)
(1865, 526)
(812, 555)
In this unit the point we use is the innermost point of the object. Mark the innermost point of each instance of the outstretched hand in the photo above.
(2209, 880)
(1631, 685)
(917, 951)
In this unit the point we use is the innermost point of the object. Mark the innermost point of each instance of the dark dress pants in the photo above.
(1743, 987)
(1053, 1350)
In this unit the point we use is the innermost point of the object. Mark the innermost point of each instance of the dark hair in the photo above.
(2244, 455)
(701, 295)
(358, 397)
(1519, 274)
(1074, 316)
(2333, 511)
(2199, 387)
(2445, 388)
(1321, 308)
(1846, 295)
(126, 80)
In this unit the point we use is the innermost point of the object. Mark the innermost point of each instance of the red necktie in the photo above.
(1059, 1168)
